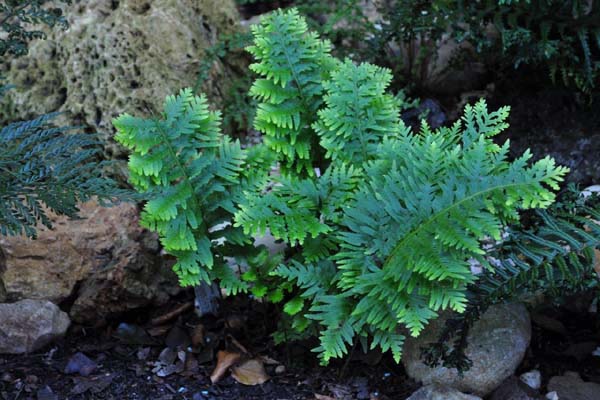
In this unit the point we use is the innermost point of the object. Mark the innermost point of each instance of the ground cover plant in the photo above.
(380, 222)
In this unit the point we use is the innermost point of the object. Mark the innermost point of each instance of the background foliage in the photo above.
(44, 168)
(18, 20)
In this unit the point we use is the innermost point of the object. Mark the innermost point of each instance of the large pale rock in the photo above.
(570, 386)
(29, 325)
(437, 392)
(104, 262)
(496, 346)
(120, 56)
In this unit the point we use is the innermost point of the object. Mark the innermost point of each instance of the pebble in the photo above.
(280, 369)
(80, 364)
(533, 379)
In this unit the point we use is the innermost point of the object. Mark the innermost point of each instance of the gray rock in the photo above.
(533, 379)
(552, 396)
(515, 389)
(29, 325)
(496, 346)
(80, 364)
(570, 386)
(438, 392)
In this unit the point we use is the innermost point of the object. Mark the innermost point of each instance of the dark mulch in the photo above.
(122, 375)
(563, 339)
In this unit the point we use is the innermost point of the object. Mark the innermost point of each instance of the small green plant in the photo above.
(561, 36)
(380, 223)
(16, 19)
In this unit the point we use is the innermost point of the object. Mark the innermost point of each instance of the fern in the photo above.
(417, 221)
(379, 235)
(398, 215)
(48, 168)
(553, 255)
(191, 176)
(292, 64)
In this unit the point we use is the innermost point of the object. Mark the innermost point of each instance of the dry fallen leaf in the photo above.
(225, 360)
(251, 372)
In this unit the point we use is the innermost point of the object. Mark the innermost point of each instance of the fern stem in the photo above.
(426, 224)
(186, 177)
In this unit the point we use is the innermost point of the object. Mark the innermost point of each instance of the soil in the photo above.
(554, 123)
(563, 340)
(121, 374)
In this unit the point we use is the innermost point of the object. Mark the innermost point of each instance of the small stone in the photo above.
(280, 369)
(552, 396)
(533, 379)
(80, 364)
(570, 386)
(438, 392)
(496, 346)
(143, 353)
(29, 325)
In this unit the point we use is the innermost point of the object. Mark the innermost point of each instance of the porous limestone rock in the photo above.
(120, 56)
(29, 325)
(496, 346)
(103, 261)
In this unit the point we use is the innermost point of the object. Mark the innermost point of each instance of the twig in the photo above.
(172, 314)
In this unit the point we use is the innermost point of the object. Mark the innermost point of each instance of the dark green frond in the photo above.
(48, 168)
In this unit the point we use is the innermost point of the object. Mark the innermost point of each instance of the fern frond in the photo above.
(417, 220)
(44, 167)
(358, 112)
(553, 256)
(191, 176)
(291, 64)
